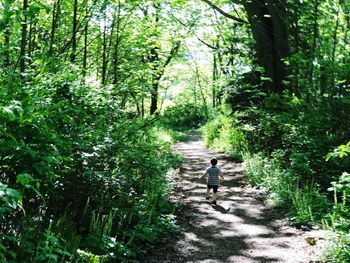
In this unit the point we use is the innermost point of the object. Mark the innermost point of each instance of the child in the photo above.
(213, 174)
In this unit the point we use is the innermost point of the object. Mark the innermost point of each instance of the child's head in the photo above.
(213, 161)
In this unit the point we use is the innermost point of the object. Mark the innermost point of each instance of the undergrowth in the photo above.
(81, 181)
(283, 143)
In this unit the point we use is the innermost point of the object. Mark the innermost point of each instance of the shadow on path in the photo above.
(238, 229)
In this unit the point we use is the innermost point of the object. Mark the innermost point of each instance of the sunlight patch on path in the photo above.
(239, 229)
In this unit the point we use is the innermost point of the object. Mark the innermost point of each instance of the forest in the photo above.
(94, 93)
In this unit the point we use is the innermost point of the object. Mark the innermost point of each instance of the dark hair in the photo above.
(213, 161)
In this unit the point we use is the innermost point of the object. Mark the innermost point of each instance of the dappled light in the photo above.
(111, 111)
(239, 228)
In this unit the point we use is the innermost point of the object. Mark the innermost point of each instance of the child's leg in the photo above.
(208, 190)
(215, 190)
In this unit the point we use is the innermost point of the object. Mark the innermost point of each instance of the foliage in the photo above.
(339, 251)
(50, 248)
(185, 116)
(303, 203)
(283, 143)
(341, 193)
(11, 199)
(84, 179)
(169, 135)
(83, 167)
(338, 220)
(341, 151)
(221, 133)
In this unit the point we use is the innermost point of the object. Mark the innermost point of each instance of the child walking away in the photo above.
(213, 174)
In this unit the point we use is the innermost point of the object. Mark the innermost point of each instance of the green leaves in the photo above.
(10, 199)
(24, 179)
(341, 151)
(343, 184)
(12, 111)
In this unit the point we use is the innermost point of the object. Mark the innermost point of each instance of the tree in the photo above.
(6, 32)
(269, 25)
(268, 21)
(22, 59)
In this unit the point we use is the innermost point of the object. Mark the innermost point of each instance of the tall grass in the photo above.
(302, 200)
(339, 220)
(221, 134)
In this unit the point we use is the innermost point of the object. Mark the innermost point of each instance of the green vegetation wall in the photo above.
(83, 178)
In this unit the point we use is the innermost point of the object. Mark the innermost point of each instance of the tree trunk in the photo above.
(7, 32)
(220, 71)
(154, 59)
(270, 31)
(297, 45)
(30, 40)
(116, 69)
(109, 48)
(214, 81)
(104, 51)
(22, 59)
(346, 8)
(85, 54)
(199, 82)
(157, 66)
(55, 14)
(314, 42)
(74, 31)
(335, 41)
(154, 97)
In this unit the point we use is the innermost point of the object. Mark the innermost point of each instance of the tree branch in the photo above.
(237, 19)
(190, 28)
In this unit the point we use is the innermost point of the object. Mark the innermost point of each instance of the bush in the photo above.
(339, 251)
(303, 203)
(303, 132)
(222, 134)
(211, 131)
(185, 116)
(280, 155)
(338, 219)
(78, 173)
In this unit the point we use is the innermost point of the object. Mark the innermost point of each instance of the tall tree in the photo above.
(85, 52)
(7, 32)
(74, 31)
(117, 43)
(269, 25)
(22, 59)
(54, 24)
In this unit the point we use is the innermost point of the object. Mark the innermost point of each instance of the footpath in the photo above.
(239, 229)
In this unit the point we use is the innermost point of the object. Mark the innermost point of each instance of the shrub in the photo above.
(222, 134)
(303, 203)
(185, 116)
(78, 173)
(211, 131)
(338, 219)
(339, 250)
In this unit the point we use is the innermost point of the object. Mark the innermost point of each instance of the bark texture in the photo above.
(269, 25)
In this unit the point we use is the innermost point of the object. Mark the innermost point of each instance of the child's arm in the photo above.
(205, 173)
(221, 176)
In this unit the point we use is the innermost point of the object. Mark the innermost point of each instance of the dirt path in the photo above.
(238, 229)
